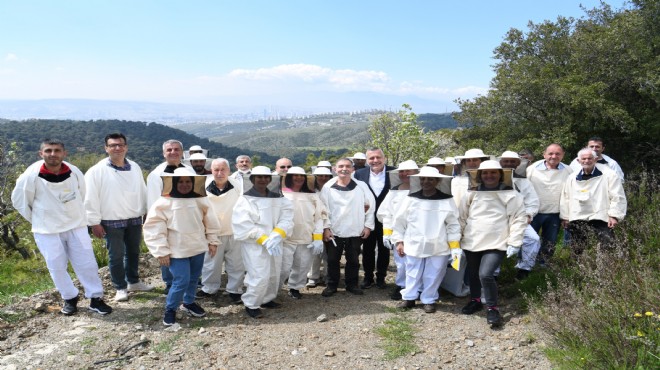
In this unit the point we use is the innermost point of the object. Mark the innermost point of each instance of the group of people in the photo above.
(268, 229)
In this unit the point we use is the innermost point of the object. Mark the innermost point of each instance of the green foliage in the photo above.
(398, 336)
(13, 227)
(21, 277)
(401, 137)
(603, 308)
(568, 80)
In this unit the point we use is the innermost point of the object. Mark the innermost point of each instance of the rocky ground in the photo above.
(36, 336)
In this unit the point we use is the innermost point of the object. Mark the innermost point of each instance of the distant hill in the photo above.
(145, 139)
(432, 121)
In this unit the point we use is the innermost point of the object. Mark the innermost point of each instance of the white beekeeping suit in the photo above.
(261, 221)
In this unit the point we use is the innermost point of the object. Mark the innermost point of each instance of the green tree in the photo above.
(401, 137)
(12, 225)
(567, 80)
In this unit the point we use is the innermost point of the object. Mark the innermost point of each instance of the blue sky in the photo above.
(196, 51)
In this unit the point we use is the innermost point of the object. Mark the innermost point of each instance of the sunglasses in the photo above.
(283, 167)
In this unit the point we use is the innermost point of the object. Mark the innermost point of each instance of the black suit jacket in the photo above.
(363, 174)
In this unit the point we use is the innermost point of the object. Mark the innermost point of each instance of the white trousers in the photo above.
(315, 271)
(263, 274)
(296, 262)
(73, 245)
(400, 262)
(530, 248)
(424, 274)
(228, 252)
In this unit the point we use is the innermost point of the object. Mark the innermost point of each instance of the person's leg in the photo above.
(233, 265)
(382, 256)
(400, 262)
(52, 248)
(434, 271)
(490, 261)
(351, 270)
(167, 277)
(368, 260)
(274, 283)
(334, 256)
(180, 271)
(302, 260)
(212, 270)
(473, 264)
(114, 242)
(257, 265)
(196, 262)
(288, 251)
(580, 231)
(530, 248)
(604, 234)
(414, 270)
(132, 239)
(78, 246)
(315, 270)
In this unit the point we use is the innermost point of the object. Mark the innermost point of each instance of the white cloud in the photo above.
(11, 57)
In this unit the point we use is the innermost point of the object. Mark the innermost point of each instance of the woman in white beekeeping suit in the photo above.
(427, 232)
(493, 219)
(306, 239)
(261, 220)
(399, 186)
(321, 176)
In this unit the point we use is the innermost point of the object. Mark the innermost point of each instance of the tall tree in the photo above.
(567, 80)
(12, 226)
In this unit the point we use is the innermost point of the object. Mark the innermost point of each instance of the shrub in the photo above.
(602, 309)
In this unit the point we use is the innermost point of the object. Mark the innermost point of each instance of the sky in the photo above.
(201, 51)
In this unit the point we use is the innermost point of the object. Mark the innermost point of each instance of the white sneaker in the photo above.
(140, 287)
(121, 296)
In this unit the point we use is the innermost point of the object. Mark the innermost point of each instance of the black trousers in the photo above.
(582, 230)
(369, 259)
(351, 248)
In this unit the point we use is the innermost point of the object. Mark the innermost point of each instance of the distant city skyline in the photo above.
(260, 52)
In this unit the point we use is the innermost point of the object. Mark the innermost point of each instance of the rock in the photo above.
(40, 307)
(143, 337)
(329, 354)
(469, 343)
(201, 330)
(322, 318)
(173, 329)
(366, 357)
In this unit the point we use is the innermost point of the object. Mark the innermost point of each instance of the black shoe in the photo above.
(97, 304)
(202, 294)
(254, 313)
(328, 292)
(366, 284)
(169, 318)
(396, 293)
(522, 274)
(193, 309)
(472, 307)
(493, 317)
(381, 284)
(295, 294)
(405, 305)
(429, 308)
(235, 298)
(355, 290)
(70, 306)
(271, 304)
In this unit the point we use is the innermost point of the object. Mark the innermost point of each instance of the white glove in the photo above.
(387, 242)
(316, 247)
(512, 251)
(274, 246)
(456, 253)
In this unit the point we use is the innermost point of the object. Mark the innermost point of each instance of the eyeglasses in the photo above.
(113, 146)
(283, 167)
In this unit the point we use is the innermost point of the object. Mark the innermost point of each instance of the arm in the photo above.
(22, 196)
(618, 202)
(244, 222)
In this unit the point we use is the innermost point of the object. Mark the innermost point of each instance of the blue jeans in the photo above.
(547, 226)
(166, 275)
(185, 273)
(123, 253)
(481, 268)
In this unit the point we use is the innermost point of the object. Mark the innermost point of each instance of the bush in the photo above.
(602, 308)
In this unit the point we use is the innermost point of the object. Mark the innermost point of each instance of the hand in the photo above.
(512, 251)
(365, 233)
(612, 222)
(98, 231)
(213, 249)
(164, 261)
(316, 247)
(564, 224)
(327, 235)
(456, 253)
(387, 243)
(399, 249)
(274, 247)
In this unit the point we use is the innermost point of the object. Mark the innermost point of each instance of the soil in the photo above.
(294, 336)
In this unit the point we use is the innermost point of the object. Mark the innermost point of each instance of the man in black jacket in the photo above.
(376, 177)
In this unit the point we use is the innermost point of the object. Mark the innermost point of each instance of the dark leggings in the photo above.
(481, 267)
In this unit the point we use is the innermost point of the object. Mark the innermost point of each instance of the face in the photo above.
(490, 178)
(322, 179)
(404, 175)
(509, 162)
(173, 153)
(359, 162)
(298, 181)
(244, 164)
(185, 185)
(439, 167)
(53, 155)
(525, 155)
(553, 154)
(198, 165)
(428, 184)
(283, 165)
(260, 182)
(344, 168)
(587, 161)
(116, 149)
(472, 163)
(220, 172)
(596, 146)
(376, 160)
